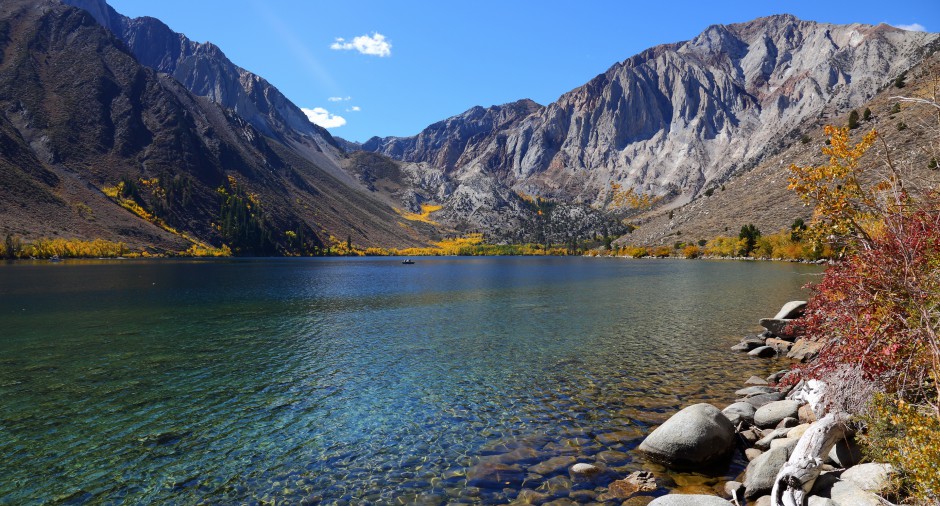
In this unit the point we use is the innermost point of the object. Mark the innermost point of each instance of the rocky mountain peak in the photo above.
(674, 119)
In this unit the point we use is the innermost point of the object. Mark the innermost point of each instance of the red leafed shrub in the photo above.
(877, 310)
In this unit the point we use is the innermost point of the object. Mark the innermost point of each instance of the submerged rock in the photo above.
(698, 436)
(491, 474)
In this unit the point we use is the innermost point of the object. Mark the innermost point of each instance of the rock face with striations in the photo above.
(674, 118)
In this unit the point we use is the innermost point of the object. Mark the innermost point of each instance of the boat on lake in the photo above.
(408, 261)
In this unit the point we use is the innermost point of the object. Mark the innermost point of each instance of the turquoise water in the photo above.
(358, 381)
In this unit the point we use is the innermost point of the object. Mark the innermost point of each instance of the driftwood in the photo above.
(796, 478)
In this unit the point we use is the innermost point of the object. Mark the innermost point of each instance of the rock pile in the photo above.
(778, 338)
(768, 421)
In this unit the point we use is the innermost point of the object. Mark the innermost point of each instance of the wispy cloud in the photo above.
(354, 108)
(322, 117)
(913, 27)
(374, 44)
(339, 99)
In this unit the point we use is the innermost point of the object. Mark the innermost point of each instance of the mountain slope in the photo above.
(670, 121)
(97, 145)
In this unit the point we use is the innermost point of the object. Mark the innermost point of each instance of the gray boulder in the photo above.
(763, 399)
(755, 390)
(872, 477)
(762, 352)
(754, 380)
(791, 310)
(846, 493)
(760, 473)
(698, 436)
(740, 412)
(770, 414)
(689, 500)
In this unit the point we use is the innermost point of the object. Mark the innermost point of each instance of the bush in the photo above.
(909, 439)
(867, 114)
(853, 120)
(691, 251)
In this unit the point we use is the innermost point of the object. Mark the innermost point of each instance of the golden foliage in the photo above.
(424, 216)
(843, 204)
(72, 248)
(628, 199)
(909, 439)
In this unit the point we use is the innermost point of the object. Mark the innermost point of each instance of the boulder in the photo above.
(764, 501)
(871, 477)
(762, 352)
(815, 500)
(760, 473)
(770, 414)
(689, 500)
(699, 435)
(847, 493)
(806, 414)
(639, 481)
(740, 412)
(755, 390)
(553, 465)
(491, 474)
(763, 399)
(754, 380)
(791, 310)
(804, 350)
(582, 469)
(797, 432)
(788, 423)
(786, 442)
(780, 345)
(735, 490)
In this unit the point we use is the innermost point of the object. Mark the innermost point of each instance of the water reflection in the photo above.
(359, 381)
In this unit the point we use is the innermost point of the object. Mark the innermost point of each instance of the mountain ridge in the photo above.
(676, 118)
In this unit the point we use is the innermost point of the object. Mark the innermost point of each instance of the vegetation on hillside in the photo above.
(878, 309)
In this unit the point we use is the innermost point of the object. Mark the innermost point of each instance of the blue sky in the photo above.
(401, 66)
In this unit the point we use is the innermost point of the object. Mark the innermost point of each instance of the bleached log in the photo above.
(796, 478)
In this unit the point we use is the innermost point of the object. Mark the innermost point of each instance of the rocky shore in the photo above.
(778, 429)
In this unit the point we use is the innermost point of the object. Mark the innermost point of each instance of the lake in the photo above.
(360, 381)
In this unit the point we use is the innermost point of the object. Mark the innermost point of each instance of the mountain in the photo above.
(93, 144)
(669, 122)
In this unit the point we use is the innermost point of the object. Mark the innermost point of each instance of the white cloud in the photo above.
(339, 99)
(354, 108)
(374, 44)
(913, 27)
(323, 118)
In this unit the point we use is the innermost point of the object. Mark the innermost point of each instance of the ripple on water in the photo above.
(334, 381)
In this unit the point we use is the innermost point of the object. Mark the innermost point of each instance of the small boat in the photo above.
(408, 261)
(55, 258)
